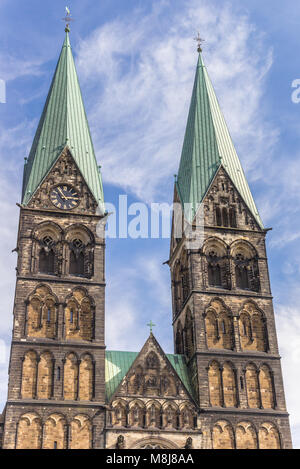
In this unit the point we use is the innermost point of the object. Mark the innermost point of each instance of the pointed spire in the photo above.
(208, 146)
(63, 123)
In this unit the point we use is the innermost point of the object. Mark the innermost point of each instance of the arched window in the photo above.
(225, 217)
(223, 436)
(241, 272)
(218, 217)
(215, 386)
(47, 256)
(189, 335)
(77, 257)
(81, 433)
(179, 339)
(214, 275)
(246, 436)
(232, 218)
(214, 270)
(29, 433)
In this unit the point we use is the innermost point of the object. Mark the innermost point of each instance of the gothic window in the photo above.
(214, 270)
(189, 335)
(181, 282)
(119, 414)
(225, 217)
(81, 433)
(79, 316)
(152, 361)
(179, 339)
(232, 218)
(253, 329)
(136, 415)
(170, 416)
(246, 267)
(41, 314)
(153, 415)
(217, 263)
(47, 256)
(219, 327)
(29, 432)
(218, 217)
(77, 249)
(186, 418)
(223, 436)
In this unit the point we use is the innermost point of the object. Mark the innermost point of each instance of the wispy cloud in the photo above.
(140, 89)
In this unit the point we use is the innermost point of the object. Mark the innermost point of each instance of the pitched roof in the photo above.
(207, 146)
(63, 123)
(117, 365)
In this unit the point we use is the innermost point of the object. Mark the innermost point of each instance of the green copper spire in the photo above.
(208, 146)
(63, 123)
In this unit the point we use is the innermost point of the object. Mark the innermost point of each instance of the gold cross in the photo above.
(151, 325)
(199, 40)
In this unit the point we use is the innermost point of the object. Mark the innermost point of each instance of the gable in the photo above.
(122, 368)
(64, 171)
(223, 195)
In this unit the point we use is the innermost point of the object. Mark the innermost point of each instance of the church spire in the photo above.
(63, 124)
(208, 146)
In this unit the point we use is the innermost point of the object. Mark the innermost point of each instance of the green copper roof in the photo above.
(117, 365)
(63, 123)
(207, 146)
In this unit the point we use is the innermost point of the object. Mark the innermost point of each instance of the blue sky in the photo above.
(136, 62)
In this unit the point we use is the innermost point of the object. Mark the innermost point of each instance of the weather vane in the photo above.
(68, 19)
(151, 325)
(199, 40)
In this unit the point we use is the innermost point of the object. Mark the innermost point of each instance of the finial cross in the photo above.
(151, 325)
(199, 40)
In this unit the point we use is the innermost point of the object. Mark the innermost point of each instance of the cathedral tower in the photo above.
(56, 387)
(223, 315)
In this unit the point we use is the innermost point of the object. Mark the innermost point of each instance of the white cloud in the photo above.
(140, 89)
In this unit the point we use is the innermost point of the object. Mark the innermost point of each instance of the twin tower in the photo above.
(222, 388)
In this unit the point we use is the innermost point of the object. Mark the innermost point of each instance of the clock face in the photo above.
(64, 197)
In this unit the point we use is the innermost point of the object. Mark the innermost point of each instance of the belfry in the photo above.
(223, 386)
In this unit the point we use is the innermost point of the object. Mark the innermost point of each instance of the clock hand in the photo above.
(61, 193)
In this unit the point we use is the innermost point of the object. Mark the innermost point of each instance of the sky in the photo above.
(136, 63)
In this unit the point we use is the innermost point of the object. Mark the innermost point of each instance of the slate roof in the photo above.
(63, 123)
(208, 146)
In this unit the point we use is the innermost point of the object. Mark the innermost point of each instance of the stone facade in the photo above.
(56, 392)
(224, 323)
(224, 327)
